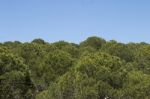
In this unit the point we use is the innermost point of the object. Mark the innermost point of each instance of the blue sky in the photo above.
(75, 20)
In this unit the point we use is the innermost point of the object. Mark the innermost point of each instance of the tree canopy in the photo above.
(93, 69)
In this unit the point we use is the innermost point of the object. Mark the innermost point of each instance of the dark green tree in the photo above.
(94, 42)
(39, 41)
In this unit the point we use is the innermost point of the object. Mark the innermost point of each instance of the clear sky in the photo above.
(75, 20)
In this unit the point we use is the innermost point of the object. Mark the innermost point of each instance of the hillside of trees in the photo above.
(93, 69)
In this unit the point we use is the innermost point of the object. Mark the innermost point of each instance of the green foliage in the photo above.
(89, 77)
(14, 79)
(118, 49)
(94, 69)
(70, 48)
(38, 41)
(59, 61)
(142, 57)
(94, 42)
(137, 86)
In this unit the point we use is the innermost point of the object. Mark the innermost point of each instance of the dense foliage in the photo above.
(93, 69)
